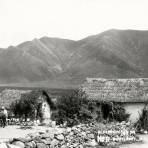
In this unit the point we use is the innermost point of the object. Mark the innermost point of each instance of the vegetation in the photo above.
(142, 123)
(27, 106)
(72, 108)
(116, 112)
(75, 108)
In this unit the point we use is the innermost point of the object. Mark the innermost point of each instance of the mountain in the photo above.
(62, 62)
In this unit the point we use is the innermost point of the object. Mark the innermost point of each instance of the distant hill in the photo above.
(61, 62)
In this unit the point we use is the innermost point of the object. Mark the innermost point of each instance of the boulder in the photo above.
(47, 135)
(31, 144)
(91, 136)
(63, 146)
(26, 139)
(92, 143)
(54, 143)
(47, 141)
(80, 146)
(41, 145)
(19, 144)
(10, 146)
(60, 137)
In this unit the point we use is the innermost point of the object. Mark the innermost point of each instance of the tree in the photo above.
(73, 108)
(27, 106)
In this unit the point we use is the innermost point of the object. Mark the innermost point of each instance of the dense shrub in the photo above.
(73, 108)
(118, 113)
(27, 106)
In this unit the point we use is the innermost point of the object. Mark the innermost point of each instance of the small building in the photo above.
(131, 93)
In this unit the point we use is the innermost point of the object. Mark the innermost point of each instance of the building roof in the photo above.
(117, 90)
(7, 96)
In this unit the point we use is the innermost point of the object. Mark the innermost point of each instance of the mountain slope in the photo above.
(110, 54)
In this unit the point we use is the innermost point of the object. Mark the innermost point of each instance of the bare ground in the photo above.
(144, 144)
(10, 132)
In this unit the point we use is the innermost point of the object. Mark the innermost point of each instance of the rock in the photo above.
(37, 139)
(91, 136)
(26, 139)
(45, 141)
(19, 143)
(48, 141)
(63, 146)
(31, 144)
(34, 135)
(83, 133)
(60, 137)
(48, 135)
(71, 133)
(80, 146)
(3, 145)
(41, 145)
(54, 143)
(10, 146)
(92, 143)
(41, 132)
(75, 145)
(68, 129)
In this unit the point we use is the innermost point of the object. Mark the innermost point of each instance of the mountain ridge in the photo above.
(110, 54)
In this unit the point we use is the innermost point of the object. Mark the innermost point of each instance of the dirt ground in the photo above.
(15, 131)
(144, 144)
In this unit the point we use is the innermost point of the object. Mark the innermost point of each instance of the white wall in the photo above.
(134, 109)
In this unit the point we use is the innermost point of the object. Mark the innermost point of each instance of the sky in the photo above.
(23, 20)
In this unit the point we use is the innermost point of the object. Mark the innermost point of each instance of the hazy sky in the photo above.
(22, 20)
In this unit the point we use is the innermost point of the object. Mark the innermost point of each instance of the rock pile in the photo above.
(78, 137)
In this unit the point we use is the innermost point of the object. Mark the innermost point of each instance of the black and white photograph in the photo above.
(73, 73)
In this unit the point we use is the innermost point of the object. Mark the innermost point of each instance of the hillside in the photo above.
(61, 62)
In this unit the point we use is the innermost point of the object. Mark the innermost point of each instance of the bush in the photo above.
(118, 113)
(73, 109)
(27, 106)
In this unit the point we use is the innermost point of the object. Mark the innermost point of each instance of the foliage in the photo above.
(76, 108)
(26, 106)
(118, 113)
(73, 108)
(142, 123)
